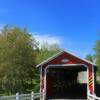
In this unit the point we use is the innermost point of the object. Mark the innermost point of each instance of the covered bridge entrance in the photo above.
(66, 76)
(67, 81)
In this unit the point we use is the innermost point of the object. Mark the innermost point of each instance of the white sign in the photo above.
(64, 60)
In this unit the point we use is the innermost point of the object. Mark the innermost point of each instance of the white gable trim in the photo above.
(58, 54)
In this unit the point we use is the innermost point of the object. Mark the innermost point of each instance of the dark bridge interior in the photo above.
(65, 84)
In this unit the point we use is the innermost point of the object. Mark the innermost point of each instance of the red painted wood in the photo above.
(72, 60)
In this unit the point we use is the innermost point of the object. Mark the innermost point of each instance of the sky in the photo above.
(73, 24)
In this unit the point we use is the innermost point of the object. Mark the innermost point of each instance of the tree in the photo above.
(44, 53)
(17, 59)
(97, 54)
(90, 57)
(19, 55)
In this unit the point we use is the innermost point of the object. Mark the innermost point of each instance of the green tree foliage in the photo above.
(47, 50)
(17, 60)
(90, 57)
(97, 50)
(97, 55)
(19, 55)
(44, 52)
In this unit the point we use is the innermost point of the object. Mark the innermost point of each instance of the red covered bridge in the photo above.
(66, 76)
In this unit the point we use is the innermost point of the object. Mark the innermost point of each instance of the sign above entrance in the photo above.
(64, 60)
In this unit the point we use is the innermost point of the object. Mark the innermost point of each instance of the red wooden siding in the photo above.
(72, 60)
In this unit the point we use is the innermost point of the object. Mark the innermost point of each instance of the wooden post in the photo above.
(17, 96)
(32, 95)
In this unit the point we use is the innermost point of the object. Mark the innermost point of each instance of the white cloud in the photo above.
(80, 49)
(50, 39)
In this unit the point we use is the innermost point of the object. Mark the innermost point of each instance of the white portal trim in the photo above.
(63, 65)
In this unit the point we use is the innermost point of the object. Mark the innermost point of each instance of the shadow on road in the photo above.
(77, 92)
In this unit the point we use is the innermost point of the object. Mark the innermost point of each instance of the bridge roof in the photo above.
(59, 54)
